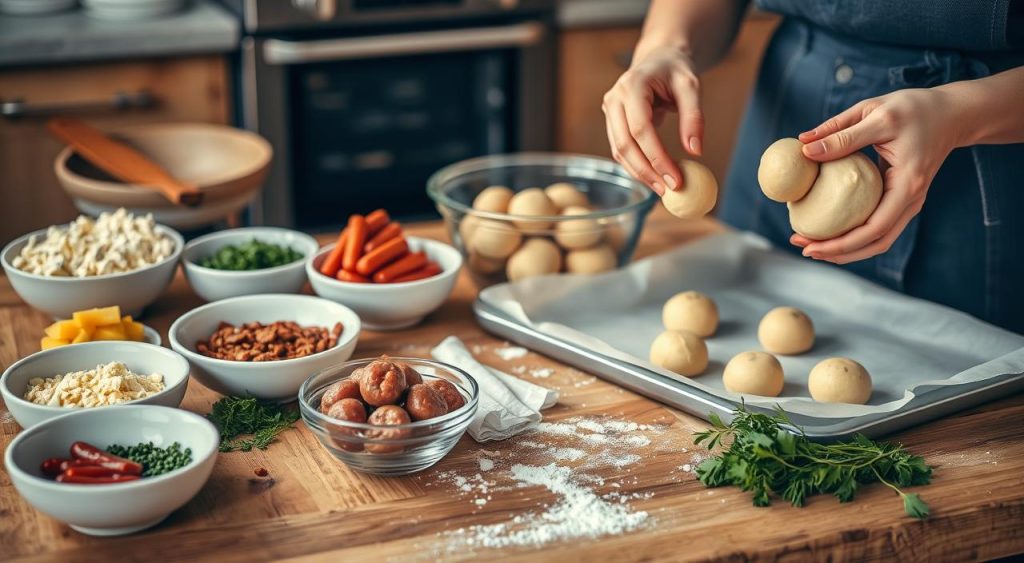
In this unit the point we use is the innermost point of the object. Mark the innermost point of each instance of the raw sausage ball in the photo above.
(387, 415)
(424, 402)
(345, 389)
(785, 174)
(382, 383)
(844, 195)
(692, 311)
(537, 256)
(786, 330)
(564, 194)
(578, 233)
(532, 202)
(494, 239)
(449, 393)
(351, 410)
(412, 377)
(494, 199)
(680, 351)
(839, 380)
(698, 195)
(754, 373)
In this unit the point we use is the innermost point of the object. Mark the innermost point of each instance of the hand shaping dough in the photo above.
(845, 194)
(785, 174)
(595, 260)
(692, 311)
(698, 195)
(682, 352)
(564, 194)
(754, 373)
(537, 256)
(839, 380)
(577, 233)
(532, 202)
(786, 330)
(494, 239)
(494, 199)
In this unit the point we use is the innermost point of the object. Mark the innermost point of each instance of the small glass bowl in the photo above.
(409, 447)
(619, 204)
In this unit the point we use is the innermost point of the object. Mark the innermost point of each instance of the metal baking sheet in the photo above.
(926, 406)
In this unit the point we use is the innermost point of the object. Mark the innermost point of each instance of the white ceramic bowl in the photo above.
(212, 284)
(278, 380)
(117, 508)
(140, 357)
(62, 296)
(392, 306)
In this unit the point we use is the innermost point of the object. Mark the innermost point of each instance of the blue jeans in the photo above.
(966, 247)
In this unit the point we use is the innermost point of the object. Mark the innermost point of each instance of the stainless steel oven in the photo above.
(363, 99)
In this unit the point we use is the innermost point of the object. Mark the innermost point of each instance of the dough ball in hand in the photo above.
(578, 233)
(594, 260)
(698, 195)
(494, 199)
(537, 256)
(532, 202)
(787, 331)
(839, 380)
(564, 194)
(785, 174)
(680, 351)
(754, 373)
(692, 311)
(844, 195)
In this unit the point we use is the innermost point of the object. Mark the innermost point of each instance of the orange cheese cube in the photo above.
(91, 318)
(46, 343)
(63, 330)
(109, 332)
(83, 336)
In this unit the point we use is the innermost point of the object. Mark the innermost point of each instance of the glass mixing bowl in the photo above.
(618, 205)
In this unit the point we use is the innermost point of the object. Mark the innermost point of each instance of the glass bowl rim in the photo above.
(481, 163)
(466, 410)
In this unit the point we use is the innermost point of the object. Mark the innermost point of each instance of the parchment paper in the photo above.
(907, 345)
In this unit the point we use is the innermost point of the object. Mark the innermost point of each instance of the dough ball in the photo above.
(786, 330)
(680, 351)
(692, 311)
(845, 194)
(785, 174)
(532, 202)
(839, 380)
(537, 256)
(484, 265)
(592, 260)
(564, 194)
(754, 373)
(578, 233)
(495, 239)
(467, 225)
(494, 199)
(698, 194)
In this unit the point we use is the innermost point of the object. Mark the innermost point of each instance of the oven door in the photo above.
(359, 123)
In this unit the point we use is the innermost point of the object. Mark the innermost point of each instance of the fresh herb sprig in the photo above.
(247, 416)
(251, 255)
(762, 457)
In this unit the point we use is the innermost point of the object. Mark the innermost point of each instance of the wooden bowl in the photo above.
(224, 162)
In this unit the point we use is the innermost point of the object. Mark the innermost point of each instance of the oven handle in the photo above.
(282, 52)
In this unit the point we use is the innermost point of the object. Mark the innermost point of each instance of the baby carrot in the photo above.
(332, 263)
(399, 268)
(347, 276)
(387, 233)
(376, 221)
(382, 256)
(354, 244)
(428, 271)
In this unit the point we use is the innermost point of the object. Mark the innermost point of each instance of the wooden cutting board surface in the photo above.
(310, 506)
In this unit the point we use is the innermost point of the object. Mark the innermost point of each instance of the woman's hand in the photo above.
(658, 81)
(913, 132)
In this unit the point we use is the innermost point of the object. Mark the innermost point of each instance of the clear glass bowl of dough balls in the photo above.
(517, 216)
(406, 415)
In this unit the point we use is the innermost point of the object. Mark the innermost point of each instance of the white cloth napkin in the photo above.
(508, 405)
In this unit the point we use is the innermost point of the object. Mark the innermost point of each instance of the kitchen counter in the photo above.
(73, 36)
(310, 505)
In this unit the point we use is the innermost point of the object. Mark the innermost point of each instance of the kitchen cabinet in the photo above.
(593, 58)
(192, 88)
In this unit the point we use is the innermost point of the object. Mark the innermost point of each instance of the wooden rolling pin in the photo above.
(122, 161)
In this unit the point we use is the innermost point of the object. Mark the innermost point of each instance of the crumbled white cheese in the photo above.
(115, 243)
(107, 384)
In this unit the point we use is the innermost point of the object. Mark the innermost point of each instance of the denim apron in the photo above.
(966, 247)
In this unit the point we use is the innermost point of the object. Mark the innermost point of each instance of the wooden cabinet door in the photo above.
(592, 60)
(183, 89)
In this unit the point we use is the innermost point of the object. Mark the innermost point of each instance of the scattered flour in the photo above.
(509, 353)
(486, 464)
(542, 372)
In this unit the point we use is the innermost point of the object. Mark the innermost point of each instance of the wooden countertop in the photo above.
(311, 506)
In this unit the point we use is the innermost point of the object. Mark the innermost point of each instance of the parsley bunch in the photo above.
(764, 458)
(237, 416)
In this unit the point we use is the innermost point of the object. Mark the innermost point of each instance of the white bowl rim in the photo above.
(191, 355)
(5, 380)
(179, 245)
(142, 482)
(314, 248)
(445, 274)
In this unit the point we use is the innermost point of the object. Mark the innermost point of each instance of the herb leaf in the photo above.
(238, 416)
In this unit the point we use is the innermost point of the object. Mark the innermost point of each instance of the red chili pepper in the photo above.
(116, 478)
(53, 466)
(82, 450)
(69, 463)
(91, 471)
